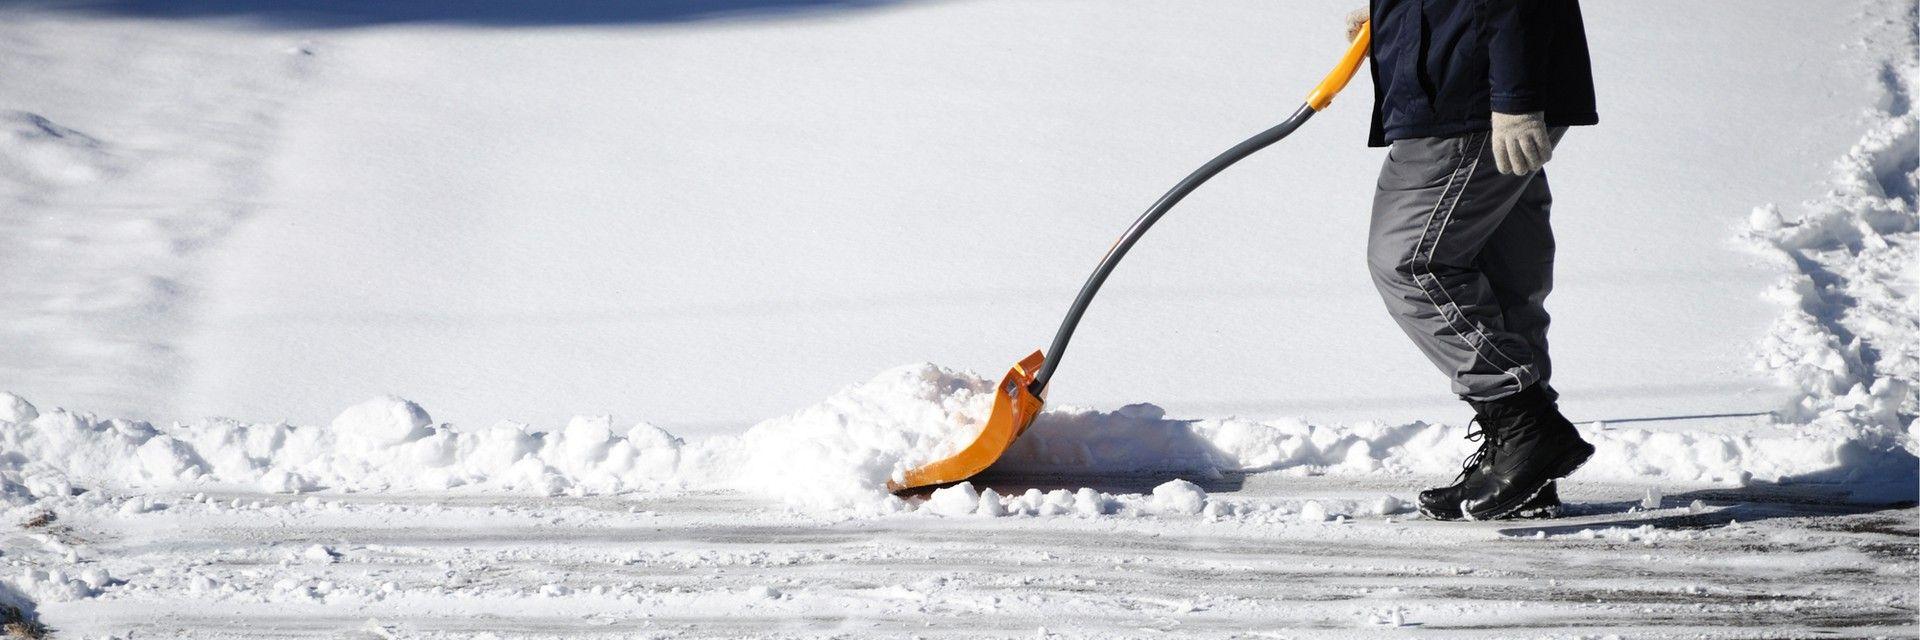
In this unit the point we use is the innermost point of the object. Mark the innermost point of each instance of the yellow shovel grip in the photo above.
(1337, 79)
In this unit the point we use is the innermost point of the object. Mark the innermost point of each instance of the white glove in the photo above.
(1521, 143)
(1354, 20)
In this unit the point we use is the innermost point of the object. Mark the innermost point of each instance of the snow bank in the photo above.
(1849, 337)
(383, 444)
(841, 452)
(836, 456)
(57, 586)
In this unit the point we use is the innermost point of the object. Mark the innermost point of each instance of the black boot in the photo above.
(1529, 446)
(1544, 505)
(1443, 503)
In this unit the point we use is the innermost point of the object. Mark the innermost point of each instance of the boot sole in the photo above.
(1537, 513)
(1504, 512)
(1432, 515)
(1545, 512)
(1548, 512)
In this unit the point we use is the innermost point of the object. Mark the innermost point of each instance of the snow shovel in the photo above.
(1022, 392)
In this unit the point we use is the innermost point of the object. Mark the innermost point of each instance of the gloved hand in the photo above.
(1521, 143)
(1354, 20)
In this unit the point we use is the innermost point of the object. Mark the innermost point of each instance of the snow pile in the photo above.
(1849, 340)
(1179, 496)
(841, 452)
(55, 585)
(13, 410)
(837, 454)
(383, 444)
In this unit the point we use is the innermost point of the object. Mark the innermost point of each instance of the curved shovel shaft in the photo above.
(1021, 394)
(1319, 98)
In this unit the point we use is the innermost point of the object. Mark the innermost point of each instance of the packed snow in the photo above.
(209, 217)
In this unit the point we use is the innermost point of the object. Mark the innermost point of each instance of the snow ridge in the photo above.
(1849, 339)
(835, 457)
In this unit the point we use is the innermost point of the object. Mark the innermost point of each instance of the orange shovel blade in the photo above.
(1014, 408)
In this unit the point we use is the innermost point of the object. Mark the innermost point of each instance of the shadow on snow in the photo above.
(1137, 448)
(17, 615)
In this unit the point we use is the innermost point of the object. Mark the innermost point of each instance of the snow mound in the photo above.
(834, 455)
(841, 452)
(383, 444)
(1179, 497)
(838, 455)
(1849, 337)
(957, 500)
(383, 422)
(15, 409)
(58, 585)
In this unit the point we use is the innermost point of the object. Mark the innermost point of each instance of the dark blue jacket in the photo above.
(1440, 66)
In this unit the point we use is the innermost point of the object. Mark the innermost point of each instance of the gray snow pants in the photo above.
(1463, 256)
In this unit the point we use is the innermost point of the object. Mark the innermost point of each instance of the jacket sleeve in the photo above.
(1519, 62)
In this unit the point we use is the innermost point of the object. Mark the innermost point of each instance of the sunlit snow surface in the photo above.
(1121, 521)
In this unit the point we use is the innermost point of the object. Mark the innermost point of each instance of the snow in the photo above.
(394, 322)
(1313, 512)
(841, 452)
(440, 566)
(1179, 497)
(15, 409)
(1653, 498)
(384, 422)
(837, 456)
(751, 228)
(957, 500)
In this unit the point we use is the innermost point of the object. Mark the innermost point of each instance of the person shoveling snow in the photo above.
(1471, 96)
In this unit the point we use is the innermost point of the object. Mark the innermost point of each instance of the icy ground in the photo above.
(226, 565)
(172, 199)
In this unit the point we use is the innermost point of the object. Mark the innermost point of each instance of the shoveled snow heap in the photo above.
(837, 456)
(834, 455)
(841, 452)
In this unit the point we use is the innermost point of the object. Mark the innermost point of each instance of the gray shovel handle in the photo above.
(1139, 228)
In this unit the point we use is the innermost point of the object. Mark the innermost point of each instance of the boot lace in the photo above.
(1489, 440)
